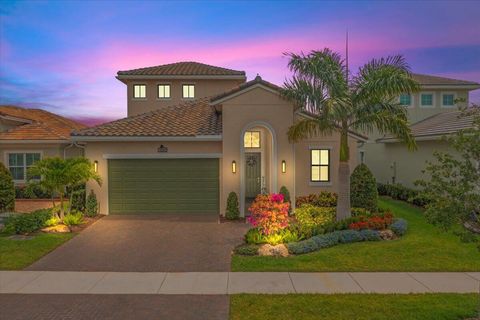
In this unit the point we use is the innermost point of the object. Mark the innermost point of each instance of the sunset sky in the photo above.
(63, 56)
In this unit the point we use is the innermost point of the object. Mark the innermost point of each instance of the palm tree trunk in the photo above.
(343, 202)
(62, 214)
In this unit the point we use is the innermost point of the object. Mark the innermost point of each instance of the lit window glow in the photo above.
(188, 91)
(320, 165)
(163, 91)
(139, 91)
(251, 139)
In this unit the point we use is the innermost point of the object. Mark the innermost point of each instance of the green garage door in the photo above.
(154, 186)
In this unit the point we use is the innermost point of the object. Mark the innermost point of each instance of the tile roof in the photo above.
(425, 79)
(188, 68)
(194, 118)
(37, 124)
(243, 86)
(437, 125)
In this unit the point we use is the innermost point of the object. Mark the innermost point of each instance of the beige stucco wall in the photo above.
(95, 151)
(203, 88)
(409, 164)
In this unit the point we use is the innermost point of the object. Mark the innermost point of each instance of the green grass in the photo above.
(18, 254)
(354, 306)
(423, 248)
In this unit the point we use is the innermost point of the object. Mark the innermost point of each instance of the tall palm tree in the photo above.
(367, 103)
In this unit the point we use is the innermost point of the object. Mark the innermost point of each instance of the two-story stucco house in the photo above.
(433, 113)
(196, 132)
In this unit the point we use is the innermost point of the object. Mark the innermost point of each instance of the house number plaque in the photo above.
(162, 148)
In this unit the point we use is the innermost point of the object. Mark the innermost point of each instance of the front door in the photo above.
(253, 174)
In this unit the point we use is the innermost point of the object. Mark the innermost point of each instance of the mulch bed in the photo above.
(222, 219)
(87, 222)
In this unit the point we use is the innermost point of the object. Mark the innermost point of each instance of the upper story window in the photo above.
(139, 91)
(320, 165)
(405, 100)
(188, 91)
(164, 91)
(448, 100)
(426, 99)
(18, 164)
(251, 139)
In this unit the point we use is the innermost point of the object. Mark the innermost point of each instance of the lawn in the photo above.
(354, 306)
(18, 254)
(423, 248)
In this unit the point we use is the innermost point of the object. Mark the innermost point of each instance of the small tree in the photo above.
(58, 174)
(453, 189)
(232, 212)
(7, 190)
(91, 207)
(363, 189)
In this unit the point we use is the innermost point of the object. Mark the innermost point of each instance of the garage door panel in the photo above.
(163, 186)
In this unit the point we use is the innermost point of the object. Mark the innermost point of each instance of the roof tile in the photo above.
(183, 69)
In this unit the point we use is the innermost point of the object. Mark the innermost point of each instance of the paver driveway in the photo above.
(177, 243)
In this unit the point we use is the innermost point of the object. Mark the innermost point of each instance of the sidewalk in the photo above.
(221, 283)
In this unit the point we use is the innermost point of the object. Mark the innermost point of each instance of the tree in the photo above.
(7, 190)
(363, 188)
(331, 103)
(453, 189)
(57, 174)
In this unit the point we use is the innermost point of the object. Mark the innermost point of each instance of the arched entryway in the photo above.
(258, 162)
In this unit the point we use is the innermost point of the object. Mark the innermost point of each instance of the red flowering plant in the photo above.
(376, 222)
(269, 213)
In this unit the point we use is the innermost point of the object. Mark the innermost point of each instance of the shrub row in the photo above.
(331, 239)
(400, 192)
(29, 222)
(31, 192)
(322, 199)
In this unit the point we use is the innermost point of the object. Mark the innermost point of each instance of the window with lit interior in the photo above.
(320, 165)
(251, 139)
(139, 91)
(188, 91)
(164, 91)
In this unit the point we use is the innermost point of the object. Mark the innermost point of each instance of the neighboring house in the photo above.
(389, 160)
(197, 132)
(428, 134)
(27, 135)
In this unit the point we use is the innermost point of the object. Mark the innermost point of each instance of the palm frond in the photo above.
(309, 127)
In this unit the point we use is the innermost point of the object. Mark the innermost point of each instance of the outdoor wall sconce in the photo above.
(95, 166)
(234, 167)
(284, 166)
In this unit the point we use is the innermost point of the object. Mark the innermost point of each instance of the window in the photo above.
(251, 139)
(188, 91)
(18, 164)
(405, 99)
(164, 91)
(448, 100)
(139, 91)
(426, 99)
(320, 165)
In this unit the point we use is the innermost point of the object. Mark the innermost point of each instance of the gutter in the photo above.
(147, 138)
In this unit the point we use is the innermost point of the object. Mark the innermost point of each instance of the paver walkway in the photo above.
(222, 283)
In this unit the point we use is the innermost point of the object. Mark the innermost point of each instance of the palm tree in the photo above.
(320, 86)
(57, 174)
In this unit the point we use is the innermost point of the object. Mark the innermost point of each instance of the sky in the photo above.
(63, 56)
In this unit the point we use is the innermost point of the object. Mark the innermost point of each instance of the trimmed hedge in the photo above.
(400, 192)
(28, 222)
(232, 212)
(363, 189)
(31, 191)
(7, 190)
(322, 199)
(331, 239)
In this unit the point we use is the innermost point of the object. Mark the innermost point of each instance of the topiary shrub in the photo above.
(363, 189)
(7, 190)
(91, 207)
(232, 212)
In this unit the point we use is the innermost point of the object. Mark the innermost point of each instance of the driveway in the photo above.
(143, 243)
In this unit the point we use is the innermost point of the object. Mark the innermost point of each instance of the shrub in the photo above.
(77, 197)
(400, 192)
(290, 235)
(269, 213)
(246, 250)
(286, 195)
(274, 238)
(254, 236)
(7, 190)
(73, 219)
(467, 236)
(232, 212)
(363, 188)
(370, 235)
(309, 216)
(357, 212)
(91, 207)
(399, 227)
(29, 222)
(349, 236)
(376, 222)
(323, 199)
(53, 221)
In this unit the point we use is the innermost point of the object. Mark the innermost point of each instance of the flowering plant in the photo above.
(269, 213)
(376, 222)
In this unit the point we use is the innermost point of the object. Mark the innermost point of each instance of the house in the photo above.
(194, 133)
(432, 113)
(27, 135)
